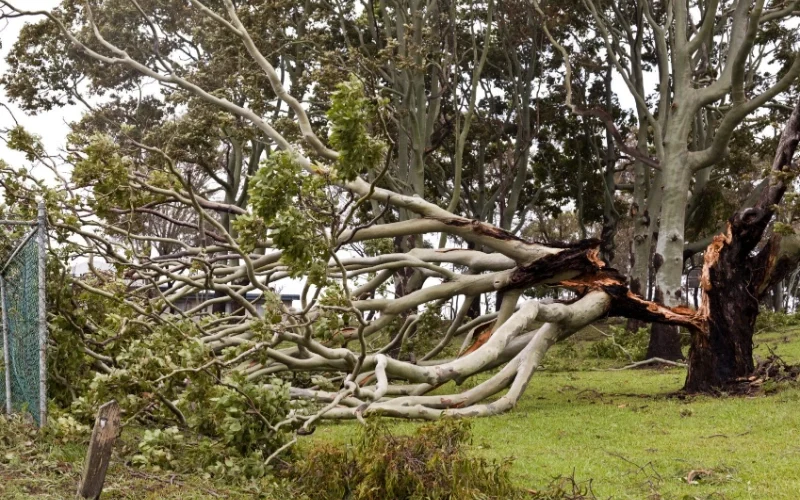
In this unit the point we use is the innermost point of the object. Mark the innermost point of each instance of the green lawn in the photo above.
(624, 431)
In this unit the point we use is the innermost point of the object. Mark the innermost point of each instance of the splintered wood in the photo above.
(106, 429)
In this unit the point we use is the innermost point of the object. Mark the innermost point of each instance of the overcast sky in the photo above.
(51, 126)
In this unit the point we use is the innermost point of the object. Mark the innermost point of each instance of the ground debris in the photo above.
(565, 488)
(768, 372)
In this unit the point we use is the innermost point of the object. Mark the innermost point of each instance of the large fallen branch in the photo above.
(348, 330)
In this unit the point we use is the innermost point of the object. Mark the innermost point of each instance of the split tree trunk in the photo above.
(734, 280)
(725, 352)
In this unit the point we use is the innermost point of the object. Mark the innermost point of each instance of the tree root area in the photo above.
(770, 375)
(770, 371)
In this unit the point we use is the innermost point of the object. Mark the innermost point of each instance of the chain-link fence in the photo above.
(24, 325)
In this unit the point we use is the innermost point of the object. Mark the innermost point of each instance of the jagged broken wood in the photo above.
(105, 432)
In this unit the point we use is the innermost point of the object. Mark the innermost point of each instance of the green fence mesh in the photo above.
(21, 304)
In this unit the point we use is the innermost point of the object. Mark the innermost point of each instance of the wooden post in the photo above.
(106, 429)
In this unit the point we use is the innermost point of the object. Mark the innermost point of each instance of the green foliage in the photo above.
(288, 201)
(141, 362)
(429, 330)
(350, 115)
(104, 167)
(62, 427)
(170, 449)
(226, 423)
(431, 464)
(275, 185)
(158, 447)
(21, 140)
(304, 247)
(377, 247)
(46, 463)
(563, 356)
(768, 319)
(783, 229)
(329, 324)
(231, 430)
(74, 310)
(250, 230)
(623, 344)
(240, 413)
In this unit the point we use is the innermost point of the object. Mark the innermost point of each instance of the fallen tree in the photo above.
(317, 209)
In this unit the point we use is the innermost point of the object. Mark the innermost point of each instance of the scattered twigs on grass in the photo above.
(726, 436)
(696, 474)
(566, 488)
(171, 481)
(773, 369)
(639, 468)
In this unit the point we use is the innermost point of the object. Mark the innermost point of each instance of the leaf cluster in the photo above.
(431, 464)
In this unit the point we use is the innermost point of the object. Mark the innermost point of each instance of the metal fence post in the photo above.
(6, 356)
(42, 229)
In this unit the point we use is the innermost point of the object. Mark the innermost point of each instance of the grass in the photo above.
(623, 431)
(42, 468)
(626, 433)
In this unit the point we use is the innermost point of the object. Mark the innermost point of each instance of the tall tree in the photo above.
(711, 60)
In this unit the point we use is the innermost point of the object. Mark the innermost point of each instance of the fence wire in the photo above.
(21, 303)
(22, 300)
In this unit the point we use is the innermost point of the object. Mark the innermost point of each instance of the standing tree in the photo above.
(717, 64)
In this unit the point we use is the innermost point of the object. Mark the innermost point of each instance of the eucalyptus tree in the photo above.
(717, 64)
(477, 100)
(317, 195)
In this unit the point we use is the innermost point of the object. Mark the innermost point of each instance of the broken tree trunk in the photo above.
(734, 279)
(106, 429)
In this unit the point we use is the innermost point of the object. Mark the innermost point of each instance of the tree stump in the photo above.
(106, 429)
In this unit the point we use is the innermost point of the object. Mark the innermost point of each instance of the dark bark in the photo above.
(403, 282)
(665, 342)
(498, 299)
(724, 352)
(777, 297)
(734, 280)
(634, 324)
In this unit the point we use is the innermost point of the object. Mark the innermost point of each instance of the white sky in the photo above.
(51, 126)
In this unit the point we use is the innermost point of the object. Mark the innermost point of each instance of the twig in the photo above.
(170, 481)
(649, 362)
